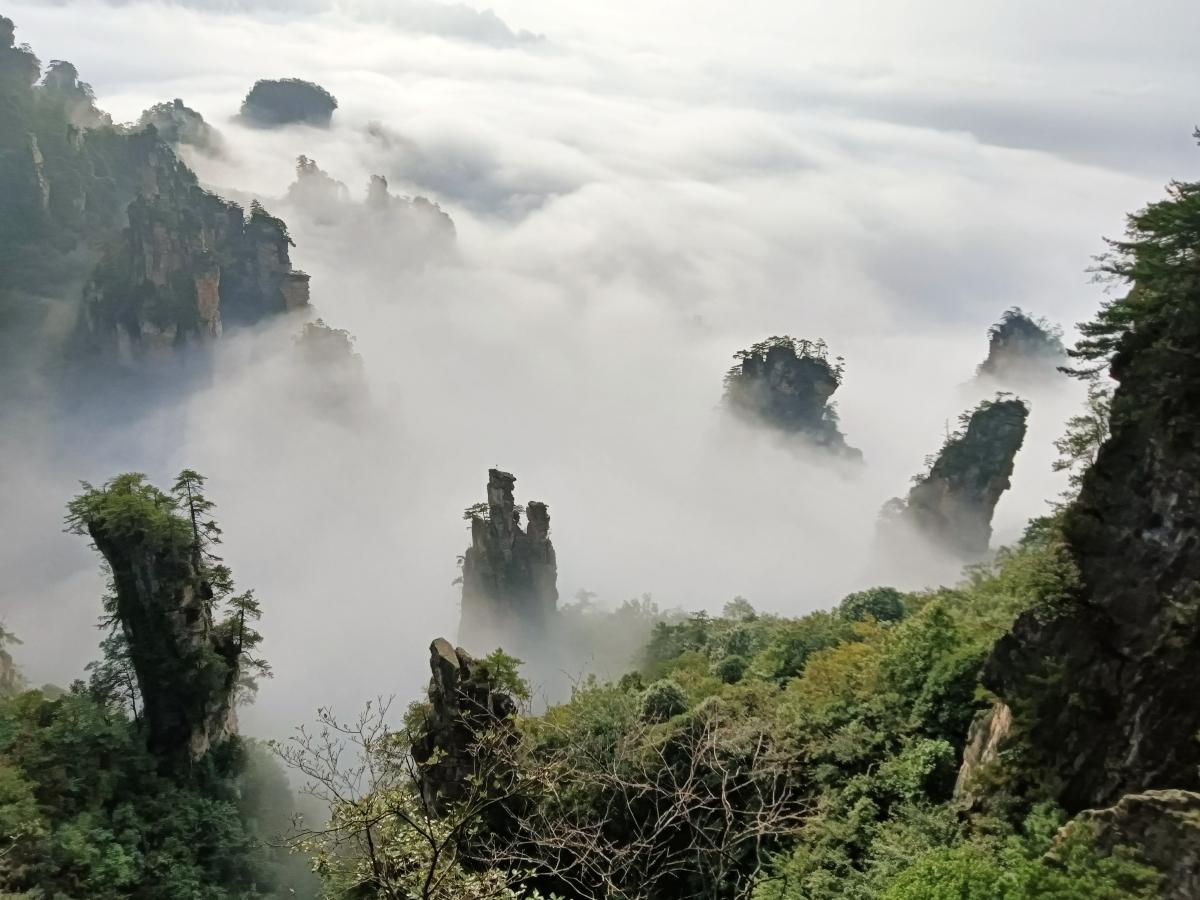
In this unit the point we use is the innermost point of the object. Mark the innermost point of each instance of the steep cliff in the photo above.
(1022, 349)
(1103, 687)
(509, 573)
(1160, 828)
(22, 166)
(786, 384)
(952, 504)
(188, 264)
(468, 719)
(187, 668)
(108, 230)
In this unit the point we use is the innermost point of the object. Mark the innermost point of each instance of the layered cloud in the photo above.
(455, 21)
(636, 197)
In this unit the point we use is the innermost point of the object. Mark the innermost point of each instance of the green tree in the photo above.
(10, 676)
(883, 604)
(662, 700)
(188, 492)
(1085, 433)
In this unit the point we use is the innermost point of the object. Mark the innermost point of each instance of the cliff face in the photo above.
(952, 505)
(109, 219)
(787, 384)
(509, 574)
(466, 713)
(22, 166)
(186, 672)
(1116, 711)
(1162, 828)
(1022, 349)
(188, 264)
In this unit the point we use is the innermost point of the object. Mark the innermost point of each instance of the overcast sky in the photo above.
(639, 190)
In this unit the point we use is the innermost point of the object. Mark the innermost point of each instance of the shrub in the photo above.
(662, 700)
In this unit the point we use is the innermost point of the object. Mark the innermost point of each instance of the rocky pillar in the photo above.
(510, 574)
(465, 730)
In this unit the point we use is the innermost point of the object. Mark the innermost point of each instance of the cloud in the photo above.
(632, 204)
(454, 21)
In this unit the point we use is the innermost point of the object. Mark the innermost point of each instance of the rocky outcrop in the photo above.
(316, 192)
(1160, 828)
(180, 125)
(1022, 349)
(62, 83)
(951, 505)
(509, 574)
(22, 168)
(187, 672)
(109, 218)
(37, 167)
(464, 732)
(1103, 682)
(288, 101)
(332, 381)
(188, 265)
(984, 742)
(786, 384)
(405, 232)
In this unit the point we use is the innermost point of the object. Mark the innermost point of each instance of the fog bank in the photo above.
(629, 213)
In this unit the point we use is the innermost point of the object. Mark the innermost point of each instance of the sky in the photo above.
(638, 190)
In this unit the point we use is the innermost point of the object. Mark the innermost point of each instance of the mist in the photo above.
(633, 203)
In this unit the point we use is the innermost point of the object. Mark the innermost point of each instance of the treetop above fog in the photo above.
(287, 101)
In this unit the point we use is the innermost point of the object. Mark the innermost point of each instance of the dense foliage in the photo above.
(89, 806)
(751, 755)
(84, 811)
(286, 101)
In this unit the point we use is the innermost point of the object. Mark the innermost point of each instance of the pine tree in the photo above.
(188, 492)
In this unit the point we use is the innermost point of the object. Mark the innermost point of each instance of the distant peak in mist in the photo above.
(1022, 348)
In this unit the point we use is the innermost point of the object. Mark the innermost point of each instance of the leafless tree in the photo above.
(696, 804)
(385, 837)
(701, 804)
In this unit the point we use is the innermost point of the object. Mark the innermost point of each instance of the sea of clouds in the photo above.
(639, 190)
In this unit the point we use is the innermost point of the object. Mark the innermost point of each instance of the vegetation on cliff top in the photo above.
(286, 101)
(786, 383)
(89, 805)
(1022, 348)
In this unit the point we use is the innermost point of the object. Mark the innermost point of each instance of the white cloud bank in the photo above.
(646, 191)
